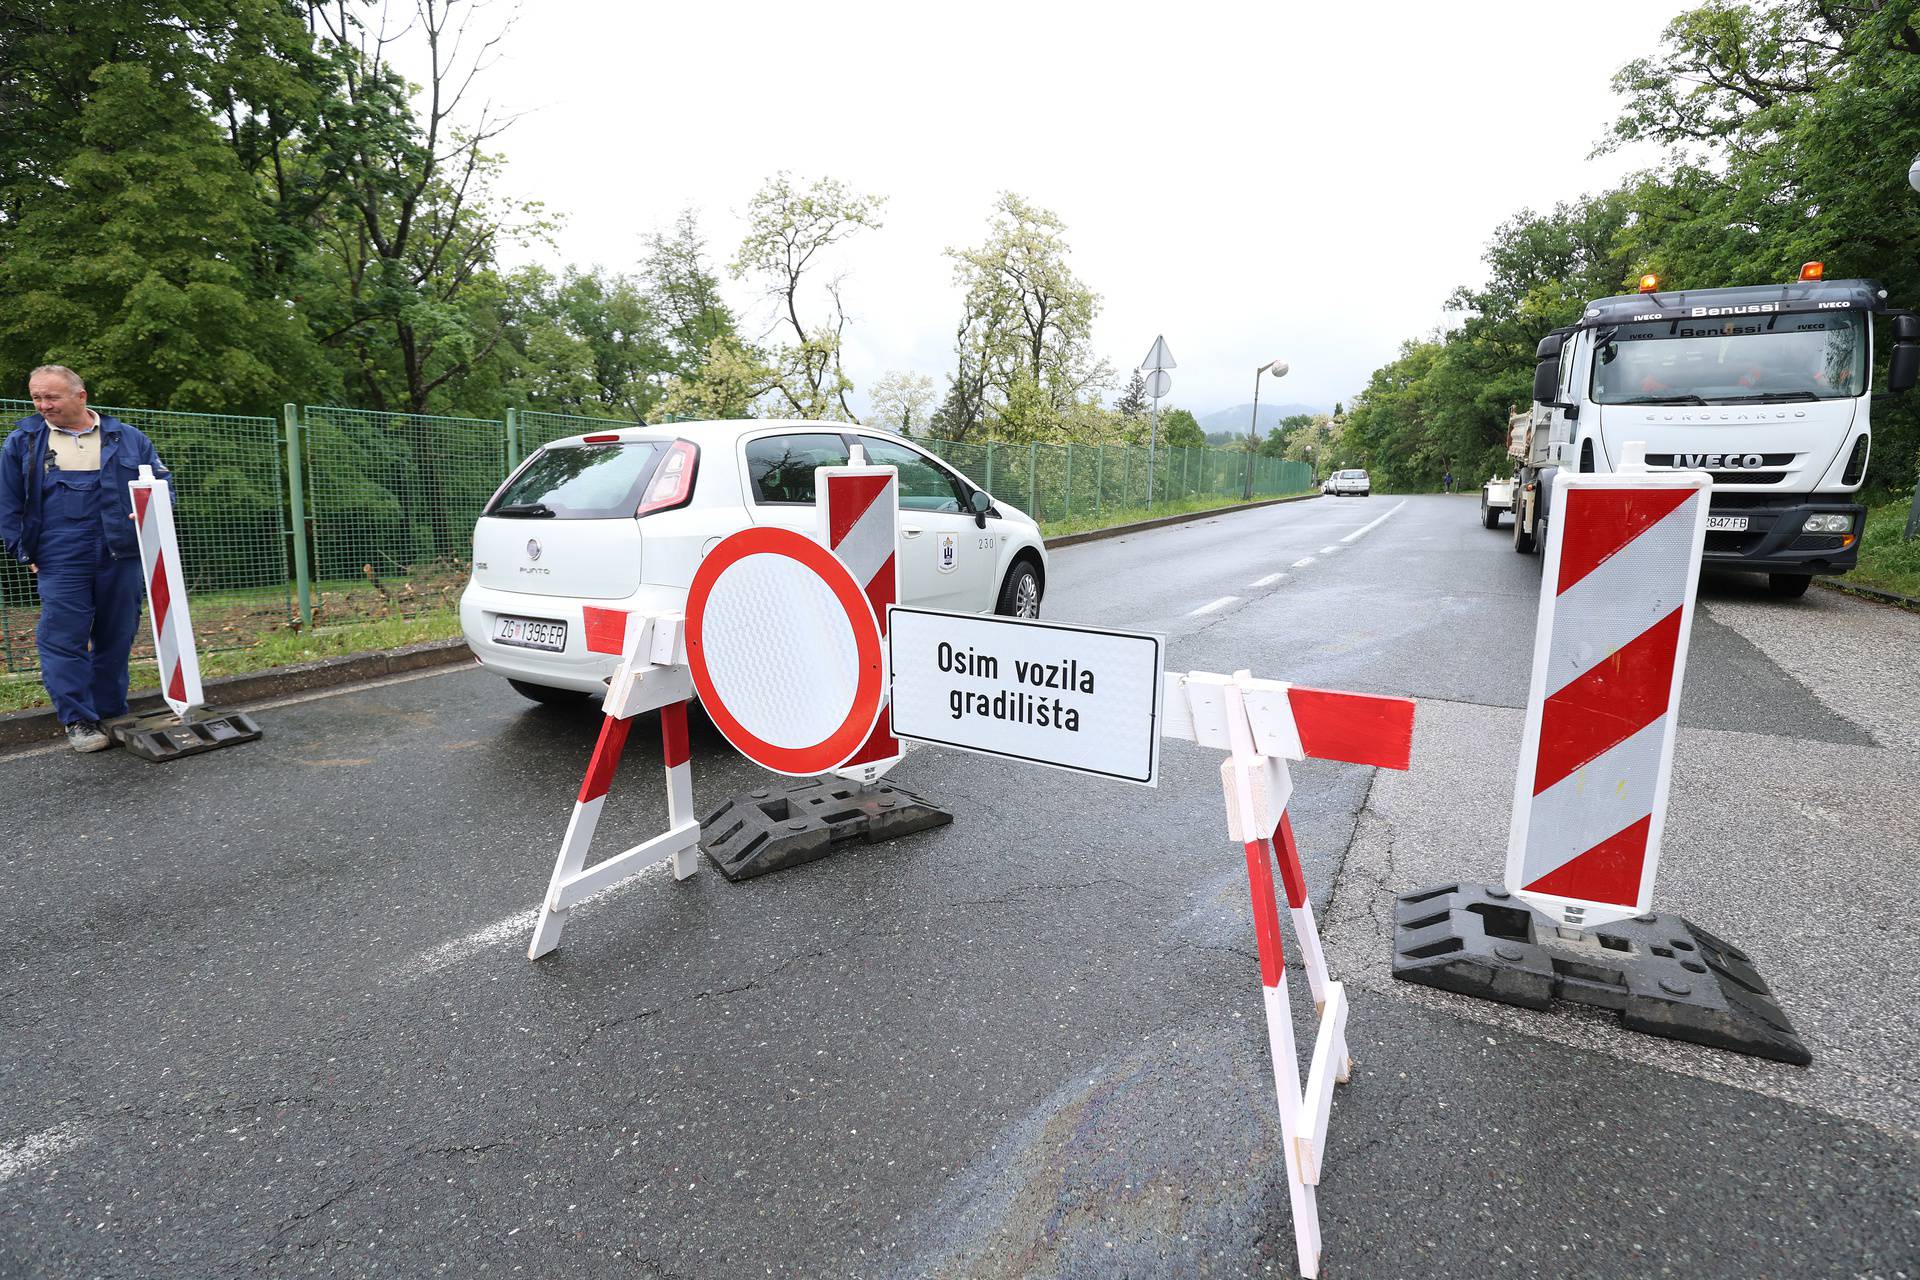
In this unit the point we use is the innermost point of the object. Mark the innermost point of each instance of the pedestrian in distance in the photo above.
(66, 513)
(1446, 481)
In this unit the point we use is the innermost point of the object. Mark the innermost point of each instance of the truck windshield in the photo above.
(1721, 360)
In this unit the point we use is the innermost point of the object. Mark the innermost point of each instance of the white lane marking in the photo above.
(23, 1155)
(1303, 562)
(1268, 581)
(1221, 603)
(1363, 530)
(1327, 551)
(512, 929)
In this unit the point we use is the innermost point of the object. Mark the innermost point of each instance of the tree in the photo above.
(788, 228)
(732, 380)
(134, 265)
(899, 400)
(420, 221)
(1027, 319)
(1133, 401)
(686, 295)
(1181, 430)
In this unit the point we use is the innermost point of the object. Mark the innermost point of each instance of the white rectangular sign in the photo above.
(1074, 698)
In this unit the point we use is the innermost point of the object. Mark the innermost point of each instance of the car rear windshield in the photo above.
(580, 482)
(1353, 475)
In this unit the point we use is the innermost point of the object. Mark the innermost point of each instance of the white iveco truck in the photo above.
(1765, 387)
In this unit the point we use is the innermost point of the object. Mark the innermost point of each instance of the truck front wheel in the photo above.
(1522, 536)
(1788, 586)
(1489, 514)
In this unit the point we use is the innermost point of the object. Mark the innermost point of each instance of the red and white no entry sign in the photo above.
(785, 651)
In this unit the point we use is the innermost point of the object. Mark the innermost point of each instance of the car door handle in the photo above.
(912, 530)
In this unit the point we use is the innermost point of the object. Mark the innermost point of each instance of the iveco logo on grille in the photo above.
(1718, 461)
(533, 548)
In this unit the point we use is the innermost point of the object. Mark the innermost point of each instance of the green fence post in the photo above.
(1033, 479)
(1099, 479)
(513, 440)
(1069, 514)
(297, 516)
(988, 486)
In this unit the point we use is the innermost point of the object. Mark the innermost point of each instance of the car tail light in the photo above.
(672, 483)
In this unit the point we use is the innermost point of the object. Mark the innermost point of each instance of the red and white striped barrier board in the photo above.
(166, 593)
(1616, 609)
(652, 674)
(1262, 724)
(860, 525)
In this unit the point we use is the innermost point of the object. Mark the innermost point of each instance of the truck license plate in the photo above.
(1726, 524)
(532, 633)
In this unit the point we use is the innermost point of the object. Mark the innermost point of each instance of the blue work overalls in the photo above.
(89, 600)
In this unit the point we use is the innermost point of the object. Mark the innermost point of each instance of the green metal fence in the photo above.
(1064, 482)
(386, 502)
(392, 499)
(529, 429)
(230, 518)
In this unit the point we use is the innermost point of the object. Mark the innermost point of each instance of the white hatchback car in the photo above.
(1352, 481)
(597, 526)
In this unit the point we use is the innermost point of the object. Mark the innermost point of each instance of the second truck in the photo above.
(1765, 387)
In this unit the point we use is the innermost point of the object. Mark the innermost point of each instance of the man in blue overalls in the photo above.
(66, 514)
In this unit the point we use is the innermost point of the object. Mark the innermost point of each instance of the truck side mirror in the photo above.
(1549, 347)
(1546, 381)
(1906, 327)
(1903, 366)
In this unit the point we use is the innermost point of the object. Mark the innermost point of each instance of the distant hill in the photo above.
(1237, 418)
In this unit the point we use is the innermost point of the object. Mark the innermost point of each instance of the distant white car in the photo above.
(616, 522)
(1351, 481)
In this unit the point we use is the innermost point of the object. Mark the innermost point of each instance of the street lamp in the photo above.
(1278, 368)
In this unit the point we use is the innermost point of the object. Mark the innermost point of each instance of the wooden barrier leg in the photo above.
(678, 753)
(1287, 853)
(574, 845)
(1286, 1063)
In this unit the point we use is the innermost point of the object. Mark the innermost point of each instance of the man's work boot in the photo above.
(85, 735)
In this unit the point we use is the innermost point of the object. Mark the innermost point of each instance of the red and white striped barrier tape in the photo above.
(166, 593)
(1616, 609)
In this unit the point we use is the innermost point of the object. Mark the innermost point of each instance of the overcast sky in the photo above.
(1251, 180)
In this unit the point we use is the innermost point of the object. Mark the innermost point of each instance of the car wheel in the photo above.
(1020, 593)
(1788, 586)
(547, 694)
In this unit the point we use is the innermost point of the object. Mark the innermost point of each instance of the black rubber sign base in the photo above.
(768, 830)
(1666, 977)
(162, 736)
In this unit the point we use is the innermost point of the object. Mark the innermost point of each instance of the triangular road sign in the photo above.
(1159, 357)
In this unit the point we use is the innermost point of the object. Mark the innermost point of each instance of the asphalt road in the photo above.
(268, 1011)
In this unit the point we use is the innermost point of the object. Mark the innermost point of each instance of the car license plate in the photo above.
(532, 633)
(1726, 524)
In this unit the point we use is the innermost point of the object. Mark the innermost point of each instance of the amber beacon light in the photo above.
(1649, 282)
(1812, 270)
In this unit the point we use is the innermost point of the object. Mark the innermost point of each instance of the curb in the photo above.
(1160, 522)
(40, 725)
(1871, 593)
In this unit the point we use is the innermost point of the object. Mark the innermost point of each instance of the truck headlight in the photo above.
(1828, 524)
